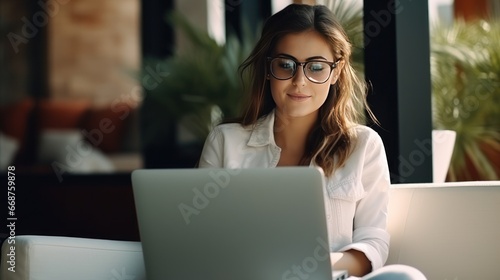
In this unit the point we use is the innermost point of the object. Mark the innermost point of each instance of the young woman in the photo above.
(304, 109)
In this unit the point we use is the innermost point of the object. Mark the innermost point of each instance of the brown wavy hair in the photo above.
(331, 140)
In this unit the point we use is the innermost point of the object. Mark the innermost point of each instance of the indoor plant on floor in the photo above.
(465, 64)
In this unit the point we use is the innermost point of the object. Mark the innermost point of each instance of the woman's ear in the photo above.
(336, 71)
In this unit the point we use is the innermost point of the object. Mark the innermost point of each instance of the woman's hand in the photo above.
(355, 262)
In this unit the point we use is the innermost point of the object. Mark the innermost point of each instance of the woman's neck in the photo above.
(290, 133)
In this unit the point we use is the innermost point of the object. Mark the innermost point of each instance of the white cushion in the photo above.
(62, 258)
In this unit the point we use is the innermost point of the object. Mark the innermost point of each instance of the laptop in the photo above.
(246, 224)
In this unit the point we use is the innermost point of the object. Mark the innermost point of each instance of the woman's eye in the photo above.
(316, 67)
(287, 64)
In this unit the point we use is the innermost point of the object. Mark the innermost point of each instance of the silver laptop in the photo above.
(218, 224)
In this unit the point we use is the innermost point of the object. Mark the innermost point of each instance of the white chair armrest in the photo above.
(50, 257)
(448, 230)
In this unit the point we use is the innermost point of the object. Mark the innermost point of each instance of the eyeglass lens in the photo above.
(315, 71)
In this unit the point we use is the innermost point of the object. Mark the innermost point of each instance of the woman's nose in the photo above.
(299, 78)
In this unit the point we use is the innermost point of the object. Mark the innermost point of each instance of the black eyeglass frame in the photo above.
(332, 65)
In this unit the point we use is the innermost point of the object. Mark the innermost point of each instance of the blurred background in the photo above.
(109, 86)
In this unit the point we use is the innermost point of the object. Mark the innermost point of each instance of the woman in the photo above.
(304, 109)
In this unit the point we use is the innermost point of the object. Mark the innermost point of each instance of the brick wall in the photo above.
(92, 47)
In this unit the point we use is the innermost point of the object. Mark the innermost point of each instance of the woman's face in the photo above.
(298, 96)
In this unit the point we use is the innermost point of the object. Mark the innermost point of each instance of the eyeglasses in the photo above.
(316, 71)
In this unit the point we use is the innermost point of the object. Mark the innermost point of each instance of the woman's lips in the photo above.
(298, 97)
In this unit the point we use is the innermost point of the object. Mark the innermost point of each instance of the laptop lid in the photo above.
(261, 223)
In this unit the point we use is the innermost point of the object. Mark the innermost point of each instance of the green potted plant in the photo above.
(465, 64)
(465, 68)
(199, 86)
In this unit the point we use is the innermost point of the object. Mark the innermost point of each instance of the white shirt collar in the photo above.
(263, 131)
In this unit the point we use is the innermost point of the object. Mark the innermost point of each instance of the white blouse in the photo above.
(356, 195)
